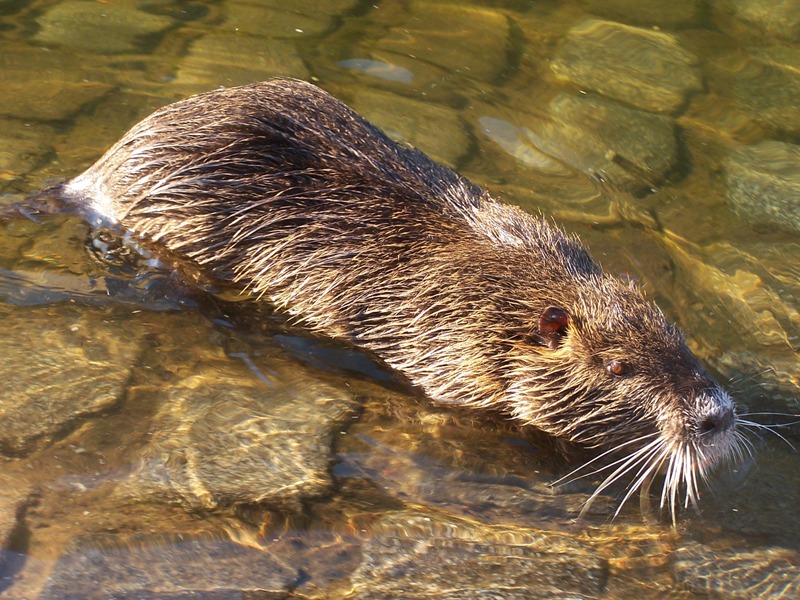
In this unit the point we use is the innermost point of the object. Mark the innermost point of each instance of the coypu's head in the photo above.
(613, 373)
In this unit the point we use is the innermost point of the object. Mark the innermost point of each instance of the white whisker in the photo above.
(644, 477)
(742, 441)
(684, 464)
(690, 474)
(641, 456)
(568, 478)
(758, 427)
(772, 414)
(671, 483)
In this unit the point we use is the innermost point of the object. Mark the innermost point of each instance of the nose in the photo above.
(718, 420)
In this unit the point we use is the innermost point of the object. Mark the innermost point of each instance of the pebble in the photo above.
(768, 17)
(429, 555)
(767, 573)
(409, 121)
(646, 12)
(764, 183)
(476, 48)
(230, 59)
(168, 567)
(644, 68)
(224, 437)
(22, 146)
(56, 376)
(99, 27)
(766, 87)
(281, 19)
(625, 147)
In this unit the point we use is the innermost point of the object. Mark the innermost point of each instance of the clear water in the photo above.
(140, 417)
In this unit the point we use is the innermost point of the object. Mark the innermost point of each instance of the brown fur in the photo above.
(282, 189)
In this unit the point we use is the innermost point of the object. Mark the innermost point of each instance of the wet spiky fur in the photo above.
(284, 190)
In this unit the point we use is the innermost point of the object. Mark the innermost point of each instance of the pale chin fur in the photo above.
(685, 462)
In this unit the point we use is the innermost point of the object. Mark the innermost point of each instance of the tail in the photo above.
(38, 205)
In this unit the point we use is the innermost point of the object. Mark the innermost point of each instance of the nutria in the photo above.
(281, 189)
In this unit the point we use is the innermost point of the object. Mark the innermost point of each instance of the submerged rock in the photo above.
(644, 68)
(277, 18)
(42, 85)
(14, 495)
(409, 121)
(225, 437)
(629, 148)
(716, 116)
(768, 17)
(646, 12)
(419, 555)
(632, 149)
(234, 59)
(49, 101)
(99, 27)
(168, 567)
(58, 368)
(764, 573)
(764, 183)
(23, 146)
(476, 48)
(467, 467)
(738, 287)
(766, 86)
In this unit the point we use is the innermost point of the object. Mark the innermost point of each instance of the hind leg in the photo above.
(37, 205)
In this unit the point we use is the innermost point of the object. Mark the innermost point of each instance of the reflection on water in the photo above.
(158, 441)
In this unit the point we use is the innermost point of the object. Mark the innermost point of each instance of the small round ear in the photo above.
(552, 328)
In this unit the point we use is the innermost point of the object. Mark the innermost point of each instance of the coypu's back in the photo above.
(286, 146)
(284, 190)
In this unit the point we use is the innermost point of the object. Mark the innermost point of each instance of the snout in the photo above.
(715, 418)
(717, 421)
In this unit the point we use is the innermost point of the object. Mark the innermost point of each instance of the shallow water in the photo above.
(160, 441)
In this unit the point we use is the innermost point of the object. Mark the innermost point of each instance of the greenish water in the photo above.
(158, 442)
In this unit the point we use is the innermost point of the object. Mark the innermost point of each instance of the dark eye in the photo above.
(618, 368)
